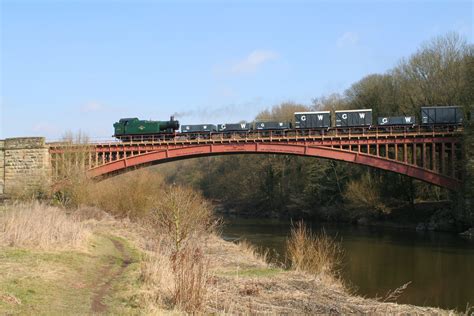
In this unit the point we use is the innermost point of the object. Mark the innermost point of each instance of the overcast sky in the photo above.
(70, 65)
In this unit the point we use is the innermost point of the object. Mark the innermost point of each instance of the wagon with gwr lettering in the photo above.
(312, 120)
(353, 118)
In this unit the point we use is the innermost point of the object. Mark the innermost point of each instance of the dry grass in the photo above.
(190, 268)
(244, 285)
(37, 225)
(251, 250)
(175, 272)
(157, 276)
(35, 191)
(315, 254)
(175, 280)
(210, 275)
(125, 196)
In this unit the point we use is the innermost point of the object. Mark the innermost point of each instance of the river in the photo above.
(440, 266)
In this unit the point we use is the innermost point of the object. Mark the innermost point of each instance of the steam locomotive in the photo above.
(134, 128)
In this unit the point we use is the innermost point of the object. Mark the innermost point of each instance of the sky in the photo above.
(82, 65)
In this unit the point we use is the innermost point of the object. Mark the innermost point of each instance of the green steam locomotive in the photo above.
(130, 128)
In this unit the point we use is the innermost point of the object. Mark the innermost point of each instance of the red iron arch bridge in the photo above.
(432, 155)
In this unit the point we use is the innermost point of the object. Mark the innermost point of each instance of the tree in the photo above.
(435, 74)
(282, 112)
(376, 92)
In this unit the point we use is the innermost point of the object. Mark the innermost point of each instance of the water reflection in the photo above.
(440, 266)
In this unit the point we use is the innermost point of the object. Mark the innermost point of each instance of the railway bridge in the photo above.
(433, 156)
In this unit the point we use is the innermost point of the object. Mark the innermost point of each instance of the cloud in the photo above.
(92, 107)
(347, 39)
(253, 61)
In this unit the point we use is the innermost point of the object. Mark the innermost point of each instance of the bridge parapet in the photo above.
(24, 165)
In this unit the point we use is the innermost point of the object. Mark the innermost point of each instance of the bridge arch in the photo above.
(301, 149)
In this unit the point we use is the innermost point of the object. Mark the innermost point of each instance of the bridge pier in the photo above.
(468, 172)
(24, 165)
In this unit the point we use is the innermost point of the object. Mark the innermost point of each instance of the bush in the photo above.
(316, 254)
(129, 195)
(190, 269)
(181, 213)
(365, 193)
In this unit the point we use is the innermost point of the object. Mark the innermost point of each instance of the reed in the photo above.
(315, 254)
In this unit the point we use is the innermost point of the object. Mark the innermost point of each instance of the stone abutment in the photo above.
(25, 165)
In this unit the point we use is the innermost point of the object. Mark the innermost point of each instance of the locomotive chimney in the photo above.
(172, 118)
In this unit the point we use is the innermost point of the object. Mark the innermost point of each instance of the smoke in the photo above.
(178, 115)
(226, 113)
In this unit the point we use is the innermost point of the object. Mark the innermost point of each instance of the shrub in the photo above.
(316, 254)
(365, 193)
(181, 213)
(190, 268)
(129, 195)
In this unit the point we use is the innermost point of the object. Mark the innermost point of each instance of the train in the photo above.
(134, 128)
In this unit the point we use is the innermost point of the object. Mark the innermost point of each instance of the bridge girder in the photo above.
(171, 153)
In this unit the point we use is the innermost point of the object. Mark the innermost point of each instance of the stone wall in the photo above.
(27, 165)
(2, 166)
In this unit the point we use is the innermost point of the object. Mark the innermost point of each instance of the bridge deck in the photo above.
(335, 138)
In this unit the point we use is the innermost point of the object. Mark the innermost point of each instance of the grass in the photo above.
(46, 282)
(59, 274)
(252, 272)
(64, 282)
(37, 225)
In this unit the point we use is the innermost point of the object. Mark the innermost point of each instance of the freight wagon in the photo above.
(238, 127)
(353, 118)
(199, 128)
(441, 115)
(396, 120)
(272, 125)
(318, 119)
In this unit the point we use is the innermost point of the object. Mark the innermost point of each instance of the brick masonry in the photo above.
(26, 165)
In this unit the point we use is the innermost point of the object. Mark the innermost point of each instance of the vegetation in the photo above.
(163, 258)
(125, 268)
(315, 254)
(36, 226)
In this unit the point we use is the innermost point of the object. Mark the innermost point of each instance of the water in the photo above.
(440, 266)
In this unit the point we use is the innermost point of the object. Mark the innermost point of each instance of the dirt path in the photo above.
(108, 276)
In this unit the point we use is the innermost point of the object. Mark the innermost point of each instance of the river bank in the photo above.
(121, 268)
(379, 259)
(422, 216)
(244, 283)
